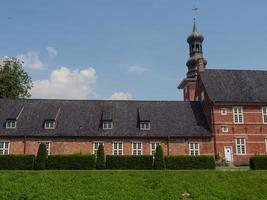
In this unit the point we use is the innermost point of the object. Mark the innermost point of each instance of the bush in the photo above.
(258, 162)
(159, 162)
(41, 157)
(129, 162)
(70, 162)
(100, 158)
(190, 162)
(9, 162)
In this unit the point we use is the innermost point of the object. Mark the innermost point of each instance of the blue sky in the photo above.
(101, 49)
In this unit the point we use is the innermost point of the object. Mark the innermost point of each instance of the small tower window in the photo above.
(197, 47)
(106, 125)
(11, 124)
(49, 124)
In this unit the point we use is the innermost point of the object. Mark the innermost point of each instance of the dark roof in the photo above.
(83, 118)
(235, 85)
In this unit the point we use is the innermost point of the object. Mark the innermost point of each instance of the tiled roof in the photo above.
(235, 85)
(78, 118)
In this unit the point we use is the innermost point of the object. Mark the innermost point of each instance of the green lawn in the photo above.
(129, 185)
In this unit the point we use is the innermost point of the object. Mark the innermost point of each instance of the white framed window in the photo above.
(117, 148)
(144, 126)
(137, 148)
(153, 146)
(106, 125)
(12, 124)
(202, 95)
(47, 144)
(264, 114)
(96, 146)
(4, 148)
(50, 124)
(240, 146)
(194, 149)
(224, 128)
(238, 115)
(223, 111)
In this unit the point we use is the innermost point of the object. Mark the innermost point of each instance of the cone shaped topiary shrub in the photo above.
(100, 157)
(159, 162)
(40, 160)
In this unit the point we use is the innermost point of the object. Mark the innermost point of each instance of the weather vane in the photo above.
(195, 9)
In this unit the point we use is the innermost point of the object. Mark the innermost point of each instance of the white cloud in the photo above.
(31, 59)
(120, 96)
(137, 69)
(66, 83)
(52, 52)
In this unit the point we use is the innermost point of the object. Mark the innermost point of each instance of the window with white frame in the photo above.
(238, 114)
(117, 148)
(96, 146)
(224, 128)
(106, 125)
(240, 146)
(144, 126)
(264, 114)
(47, 144)
(4, 148)
(223, 111)
(137, 148)
(49, 124)
(153, 146)
(194, 149)
(11, 124)
(202, 95)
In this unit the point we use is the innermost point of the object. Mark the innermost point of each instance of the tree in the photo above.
(40, 160)
(14, 81)
(159, 162)
(100, 157)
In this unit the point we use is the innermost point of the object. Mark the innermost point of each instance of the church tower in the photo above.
(195, 64)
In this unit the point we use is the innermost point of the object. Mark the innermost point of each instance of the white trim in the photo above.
(224, 111)
(194, 149)
(107, 127)
(232, 153)
(151, 151)
(265, 144)
(146, 126)
(93, 143)
(245, 148)
(137, 149)
(238, 114)
(118, 149)
(224, 128)
(264, 113)
(49, 124)
(8, 147)
(10, 122)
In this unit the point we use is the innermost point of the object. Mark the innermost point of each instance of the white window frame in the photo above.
(202, 95)
(194, 149)
(107, 125)
(224, 128)
(49, 124)
(238, 112)
(265, 139)
(144, 126)
(5, 148)
(223, 111)
(239, 145)
(137, 148)
(96, 146)
(11, 124)
(117, 150)
(47, 144)
(153, 147)
(264, 114)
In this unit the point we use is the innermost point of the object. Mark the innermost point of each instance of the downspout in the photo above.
(24, 144)
(168, 145)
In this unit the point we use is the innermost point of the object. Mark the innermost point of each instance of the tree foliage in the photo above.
(159, 162)
(41, 157)
(14, 81)
(100, 157)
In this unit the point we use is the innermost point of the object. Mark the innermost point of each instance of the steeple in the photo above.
(194, 40)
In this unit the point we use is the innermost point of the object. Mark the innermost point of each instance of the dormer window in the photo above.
(107, 125)
(11, 124)
(144, 126)
(49, 124)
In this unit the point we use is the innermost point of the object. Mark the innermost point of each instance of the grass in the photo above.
(133, 185)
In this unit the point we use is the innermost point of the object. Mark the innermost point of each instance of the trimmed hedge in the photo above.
(190, 162)
(17, 162)
(41, 157)
(129, 162)
(258, 162)
(70, 162)
(100, 158)
(159, 162)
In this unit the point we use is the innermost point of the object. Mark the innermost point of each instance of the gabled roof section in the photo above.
(243, 86)
(167, 118)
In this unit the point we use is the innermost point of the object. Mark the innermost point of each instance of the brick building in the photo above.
(224, 113)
